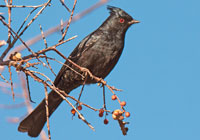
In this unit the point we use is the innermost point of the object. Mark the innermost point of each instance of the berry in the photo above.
(127, 114)
(114, 97)
(100, 114)
(79, 107)
(73, 111)
(123, 103)
(114, 116)
(106, 121)
(101, 111)
(116, 113)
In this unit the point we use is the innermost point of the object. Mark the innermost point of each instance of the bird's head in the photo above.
(120, 18)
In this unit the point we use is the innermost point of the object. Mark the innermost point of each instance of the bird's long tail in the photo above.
(35, 121)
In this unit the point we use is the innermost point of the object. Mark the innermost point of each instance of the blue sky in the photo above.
(158, 71)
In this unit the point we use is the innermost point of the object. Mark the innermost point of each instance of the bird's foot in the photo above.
(86, 72)
(101, 82)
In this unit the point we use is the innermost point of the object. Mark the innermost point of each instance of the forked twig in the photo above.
(68, 23)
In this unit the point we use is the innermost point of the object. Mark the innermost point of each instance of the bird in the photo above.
(98, 52)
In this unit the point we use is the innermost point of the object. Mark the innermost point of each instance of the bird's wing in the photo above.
(83, 46)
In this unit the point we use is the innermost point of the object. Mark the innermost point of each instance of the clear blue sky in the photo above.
(159, 73)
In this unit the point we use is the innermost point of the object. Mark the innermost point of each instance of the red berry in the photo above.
(123, 103)
(79, 107)
(100, 114)
(73, 111)
(101, 111)
(114, 97)
(127, 114)
(106, 121)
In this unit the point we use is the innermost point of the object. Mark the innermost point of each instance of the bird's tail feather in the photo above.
(35, 121)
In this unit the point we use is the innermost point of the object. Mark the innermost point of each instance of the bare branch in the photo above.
(22, 6)
(57, 28)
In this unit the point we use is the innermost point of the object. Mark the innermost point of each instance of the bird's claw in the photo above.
(86, 72)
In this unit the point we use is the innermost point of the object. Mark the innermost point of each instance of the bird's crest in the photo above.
(116, 11)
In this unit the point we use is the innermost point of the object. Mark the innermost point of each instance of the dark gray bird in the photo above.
(99, 52)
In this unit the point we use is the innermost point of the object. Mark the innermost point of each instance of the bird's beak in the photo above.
(133, 22)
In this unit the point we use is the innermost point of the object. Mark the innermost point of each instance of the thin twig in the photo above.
(90, 9)
(46, 46)
(45, 41)
(11, 82)
(39, 52)
(50, 66)
(79, 97)
(22, 6)
(47, 111)
(49, 48)
(4, 78)
(70, 19)
(63, 3)
(9, 22)
(26, 20)
(33, 19)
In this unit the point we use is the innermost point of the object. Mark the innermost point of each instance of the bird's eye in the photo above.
(121, 20)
